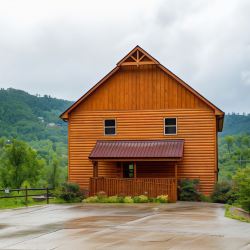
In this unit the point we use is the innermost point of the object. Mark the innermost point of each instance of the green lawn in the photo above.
(234, 216)
(20, 202)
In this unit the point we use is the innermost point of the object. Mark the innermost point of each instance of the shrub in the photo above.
(103, 198)
(25, 184)
(189, 190)
(102, 195)
(70, 192)
(232, 196)
(242, 182)
(205, 198)
(141, 199)
(128, 199)
(151, 199)
(91, 199)
(113, 199)
(162, 198)
(224, 193)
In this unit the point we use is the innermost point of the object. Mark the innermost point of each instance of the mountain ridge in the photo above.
(31, 117)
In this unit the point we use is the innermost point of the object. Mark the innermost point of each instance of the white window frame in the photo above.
(164, 126)
(104, 127)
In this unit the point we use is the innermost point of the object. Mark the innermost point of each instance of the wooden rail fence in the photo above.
(152, 187)
(25, 193)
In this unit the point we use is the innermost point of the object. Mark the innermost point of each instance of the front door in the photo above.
(128, 170)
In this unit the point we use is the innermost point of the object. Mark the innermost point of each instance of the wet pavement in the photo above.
(184, 225)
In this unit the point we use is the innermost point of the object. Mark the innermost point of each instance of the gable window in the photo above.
(110, 127)
(170, 126)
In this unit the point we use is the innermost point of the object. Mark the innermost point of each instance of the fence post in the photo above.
(47, 192)
(26, 196)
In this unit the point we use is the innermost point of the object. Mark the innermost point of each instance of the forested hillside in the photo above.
(33, 139)
(236, 124)
(234, 145)
(30, 126)
(28, 117)
(234, 154)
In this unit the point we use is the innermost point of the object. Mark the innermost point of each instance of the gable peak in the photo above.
(136, 57)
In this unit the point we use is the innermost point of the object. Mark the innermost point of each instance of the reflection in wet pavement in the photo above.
(184, 225)
(3, 226)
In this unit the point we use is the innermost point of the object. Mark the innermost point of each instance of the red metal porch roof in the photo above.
(137, 149)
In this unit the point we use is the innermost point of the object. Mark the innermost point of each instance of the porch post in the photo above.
(95, 168)
(175, 171)
(121, 173)
(134, 169)
(176, 184)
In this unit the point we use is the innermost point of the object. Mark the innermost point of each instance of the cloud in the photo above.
(63, 48)
(245, 77)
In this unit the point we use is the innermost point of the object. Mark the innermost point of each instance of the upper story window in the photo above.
(109, 127)
(170, 126)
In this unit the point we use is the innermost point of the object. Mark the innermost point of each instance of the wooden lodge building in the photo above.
(140, 129)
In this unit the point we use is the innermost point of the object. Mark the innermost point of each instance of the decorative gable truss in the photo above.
(137, 57)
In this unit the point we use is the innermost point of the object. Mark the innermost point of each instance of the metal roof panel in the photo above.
(137, 149)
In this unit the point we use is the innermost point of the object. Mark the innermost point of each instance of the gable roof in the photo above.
(136, 57)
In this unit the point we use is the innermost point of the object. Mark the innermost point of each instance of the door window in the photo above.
(128, 170)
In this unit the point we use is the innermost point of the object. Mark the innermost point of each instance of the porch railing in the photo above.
(152, 187)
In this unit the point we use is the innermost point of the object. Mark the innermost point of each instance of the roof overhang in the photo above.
(139, 150)
(220, 122)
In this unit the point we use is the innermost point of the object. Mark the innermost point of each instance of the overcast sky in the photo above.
(62, 48)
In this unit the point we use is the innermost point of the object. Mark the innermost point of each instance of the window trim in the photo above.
(109, 126)
(164, 126)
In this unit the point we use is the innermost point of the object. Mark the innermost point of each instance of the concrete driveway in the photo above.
(183, 225)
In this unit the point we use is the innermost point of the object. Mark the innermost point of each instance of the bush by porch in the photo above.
(101, 197)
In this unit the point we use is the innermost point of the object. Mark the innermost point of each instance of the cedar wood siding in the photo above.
(139, 98)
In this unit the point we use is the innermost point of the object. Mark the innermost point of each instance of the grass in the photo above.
(20, 202)
(230, 215)
(17, 202)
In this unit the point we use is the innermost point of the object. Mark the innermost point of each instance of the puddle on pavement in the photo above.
(188, 208)
(32, 231)
(2, 226)
(89, 222)
(98, 221)
(117, 209)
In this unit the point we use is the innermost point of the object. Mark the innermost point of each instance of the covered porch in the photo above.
(143, 167)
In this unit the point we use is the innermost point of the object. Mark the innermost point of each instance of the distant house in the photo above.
(51, 125)
(140, 129)
(41, 119)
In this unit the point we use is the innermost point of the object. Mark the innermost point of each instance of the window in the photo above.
(110, 127)
(170, 126)
(128, 170)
